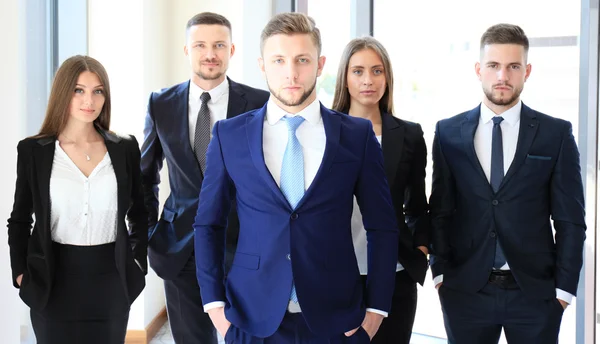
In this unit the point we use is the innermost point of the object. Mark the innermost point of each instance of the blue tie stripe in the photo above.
(292, 172)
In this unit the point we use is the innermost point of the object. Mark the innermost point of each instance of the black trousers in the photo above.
(293, 330)
(87, 303)
(397, 327)
(479, 318)
(189, 323)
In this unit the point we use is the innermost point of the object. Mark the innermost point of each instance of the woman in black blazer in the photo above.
(364, 89)
(80, 268)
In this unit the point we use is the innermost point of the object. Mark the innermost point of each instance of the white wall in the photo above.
(12, 98)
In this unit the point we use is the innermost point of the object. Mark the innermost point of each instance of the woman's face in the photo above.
(366, 78)
(88, 98)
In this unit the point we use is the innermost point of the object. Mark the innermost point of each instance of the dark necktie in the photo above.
(496, 176)
(202, 132)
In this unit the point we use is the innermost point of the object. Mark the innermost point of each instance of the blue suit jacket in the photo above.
(166, 136)
(543, 182)
(311, 245)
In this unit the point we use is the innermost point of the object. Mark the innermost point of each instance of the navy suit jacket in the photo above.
(311, 245)
(543, 182)
(166, 136)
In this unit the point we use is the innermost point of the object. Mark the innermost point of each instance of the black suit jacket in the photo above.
(405, 159)
(166, 136)
(31, 251)
(542, 182)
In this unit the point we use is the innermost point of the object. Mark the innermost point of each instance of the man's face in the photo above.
(503, 70)
(291, 65)
(209, 49)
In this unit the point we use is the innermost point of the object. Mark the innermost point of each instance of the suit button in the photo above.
(493, 234)
(288, 256)
(495, 202)
(294, 216)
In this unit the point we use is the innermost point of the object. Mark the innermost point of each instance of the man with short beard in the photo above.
(294, 168)
(500, 172)
(178, 126)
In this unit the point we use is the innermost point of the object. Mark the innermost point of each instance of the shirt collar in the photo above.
(215, 93)
(311, 113)
(511, 116)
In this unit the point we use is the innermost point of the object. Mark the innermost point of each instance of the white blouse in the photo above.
(83, 210)
(359, 238)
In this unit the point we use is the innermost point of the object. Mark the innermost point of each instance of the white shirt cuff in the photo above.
(377, 311)
(563, 295)
(213, 305)
(438, 279)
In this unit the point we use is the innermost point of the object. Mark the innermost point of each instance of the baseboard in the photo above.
(145, 336)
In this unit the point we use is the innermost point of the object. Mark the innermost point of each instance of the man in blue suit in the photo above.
(178, 127)
(500, 173)
(294, 167)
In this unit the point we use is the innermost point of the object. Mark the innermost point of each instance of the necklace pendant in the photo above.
(87, 157)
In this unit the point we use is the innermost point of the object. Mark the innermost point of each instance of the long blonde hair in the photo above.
(341, 97)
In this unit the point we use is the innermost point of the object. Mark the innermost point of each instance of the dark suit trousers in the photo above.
(293, 330)
(479, 318)
(189, 323)
(397, 327)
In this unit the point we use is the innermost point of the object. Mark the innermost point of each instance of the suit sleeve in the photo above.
(379, 219)
(137, 215)
(568, 213)
(415, 200)
(20, 221)
(152, 157)
(442, 206)
(211, 220)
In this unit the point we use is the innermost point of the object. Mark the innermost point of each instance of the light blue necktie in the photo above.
(292, 171)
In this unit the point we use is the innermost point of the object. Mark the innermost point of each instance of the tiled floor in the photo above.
(164, 337)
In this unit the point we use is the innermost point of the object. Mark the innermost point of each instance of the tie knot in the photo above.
(497, 119)
(205, 97)
(293, 122)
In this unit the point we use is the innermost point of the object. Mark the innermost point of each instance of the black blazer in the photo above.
(166, 136)
(31, 251)
(405, 158)
(543, 181)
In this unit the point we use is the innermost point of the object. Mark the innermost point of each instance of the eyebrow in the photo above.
(510, 63)
(206, 42)
(362, 67)
(98, 86)
(297, 56)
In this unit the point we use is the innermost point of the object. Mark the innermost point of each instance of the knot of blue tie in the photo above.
(497, 119)
(205, 97)
(293, 122)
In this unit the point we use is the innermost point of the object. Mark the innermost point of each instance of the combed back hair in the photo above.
(208, 18)
(63, 88)
(291, 24)
(341, 98)
(505, 34)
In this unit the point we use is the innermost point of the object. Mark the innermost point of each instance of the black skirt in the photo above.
(87, 303)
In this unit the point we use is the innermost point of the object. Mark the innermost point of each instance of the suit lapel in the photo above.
(254, 133)
(45, 156)
(527, 131)
(392, 144)
(118, 158)
(332, 124)
(181, 122)
(237, 100)
(468, 128)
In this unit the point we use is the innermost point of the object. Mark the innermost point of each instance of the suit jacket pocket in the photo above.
(246, 261)
(538, 157)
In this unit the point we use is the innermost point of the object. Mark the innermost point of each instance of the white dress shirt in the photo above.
(483, 147)
(217, 105)
(359, 238)
(312, 138)
(83, 210)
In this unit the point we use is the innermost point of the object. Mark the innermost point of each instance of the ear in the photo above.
(527, 71)
(478, 70)
(232, 50)
(186, 52)
(321, 64)
(261, 64)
